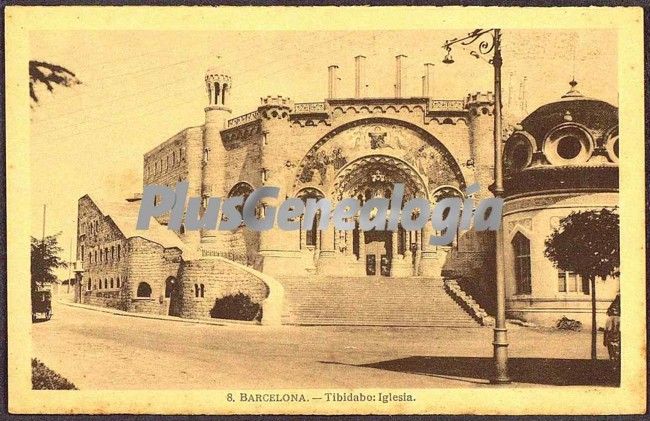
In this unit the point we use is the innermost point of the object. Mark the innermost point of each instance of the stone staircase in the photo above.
(371, 301)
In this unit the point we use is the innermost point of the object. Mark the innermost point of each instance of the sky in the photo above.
(139, 88)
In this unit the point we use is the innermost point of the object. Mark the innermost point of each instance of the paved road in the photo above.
(97, 350)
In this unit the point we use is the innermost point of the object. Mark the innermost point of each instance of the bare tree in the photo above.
(49, 75)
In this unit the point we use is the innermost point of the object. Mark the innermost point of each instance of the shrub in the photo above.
(236, 307)
(45, 379)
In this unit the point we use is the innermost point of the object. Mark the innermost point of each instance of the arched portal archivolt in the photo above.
(425, 156)
(378, 173)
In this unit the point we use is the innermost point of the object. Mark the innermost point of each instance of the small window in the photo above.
(119, 251)
(569, 147)
(196, 290)
(117, 281)
(100, 284)
(89, 284)
(202, 290)
(90, 257)
(112, 285)
(144, 290)
(105, 283)
(112, 253)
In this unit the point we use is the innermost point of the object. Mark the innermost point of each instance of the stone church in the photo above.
(356, 146)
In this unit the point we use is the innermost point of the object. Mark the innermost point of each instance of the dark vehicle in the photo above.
(41, 305)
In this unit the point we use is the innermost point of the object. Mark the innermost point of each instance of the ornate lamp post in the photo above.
(489, 41)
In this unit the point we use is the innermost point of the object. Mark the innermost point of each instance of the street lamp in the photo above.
(489, 41)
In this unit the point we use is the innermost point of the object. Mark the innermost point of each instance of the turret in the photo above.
(274, 115)
(218, 84)
(481, 124)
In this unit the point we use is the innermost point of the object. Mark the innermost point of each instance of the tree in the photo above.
(588, 244)
(49, 75)
(45, 259)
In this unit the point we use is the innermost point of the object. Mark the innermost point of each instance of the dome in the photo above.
(596, 116)
(568, 144)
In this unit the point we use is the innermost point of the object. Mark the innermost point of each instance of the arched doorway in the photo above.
(383, 252)
(172, 296)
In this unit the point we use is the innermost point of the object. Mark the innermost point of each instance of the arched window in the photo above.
(95, 256)
(196, 290)
(223, 94)
(89, 284)
(217, 91)
(202, 290)
(112, 253)
(119, 251)
(106, 255)
(117, 281)
(144, 290)
(105, 283)
(90, 257)
(311, 233)
(521, 246)
(112, 285)
(241, 189)
(100, 284)
(170, 283)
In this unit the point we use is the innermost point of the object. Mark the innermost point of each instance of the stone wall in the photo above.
(219, 278)
(177, 159)
(103, 251)
(151, 263)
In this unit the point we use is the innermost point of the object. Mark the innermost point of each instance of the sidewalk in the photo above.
(214, 322)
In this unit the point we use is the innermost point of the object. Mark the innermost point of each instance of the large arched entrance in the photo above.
(364, 159)
(382, 252)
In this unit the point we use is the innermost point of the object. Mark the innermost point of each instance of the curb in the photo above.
(215, 322)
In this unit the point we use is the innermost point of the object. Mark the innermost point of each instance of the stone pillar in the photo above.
(429, 263)
(348, 243)
(327, 240)
(418, 252)
(362, 247)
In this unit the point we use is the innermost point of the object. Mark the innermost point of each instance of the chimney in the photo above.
(398, 75)
(332, 81)
(359, 76)
(427, 87)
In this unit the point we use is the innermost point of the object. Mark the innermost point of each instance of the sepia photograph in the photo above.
(295, 216)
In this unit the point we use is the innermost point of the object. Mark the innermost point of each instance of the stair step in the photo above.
(343, 301)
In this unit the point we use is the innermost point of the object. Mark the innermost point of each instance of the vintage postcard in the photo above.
(322, 210)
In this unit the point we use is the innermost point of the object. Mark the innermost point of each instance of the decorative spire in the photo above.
(573, 92)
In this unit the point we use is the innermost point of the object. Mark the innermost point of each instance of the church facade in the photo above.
(344, 146)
